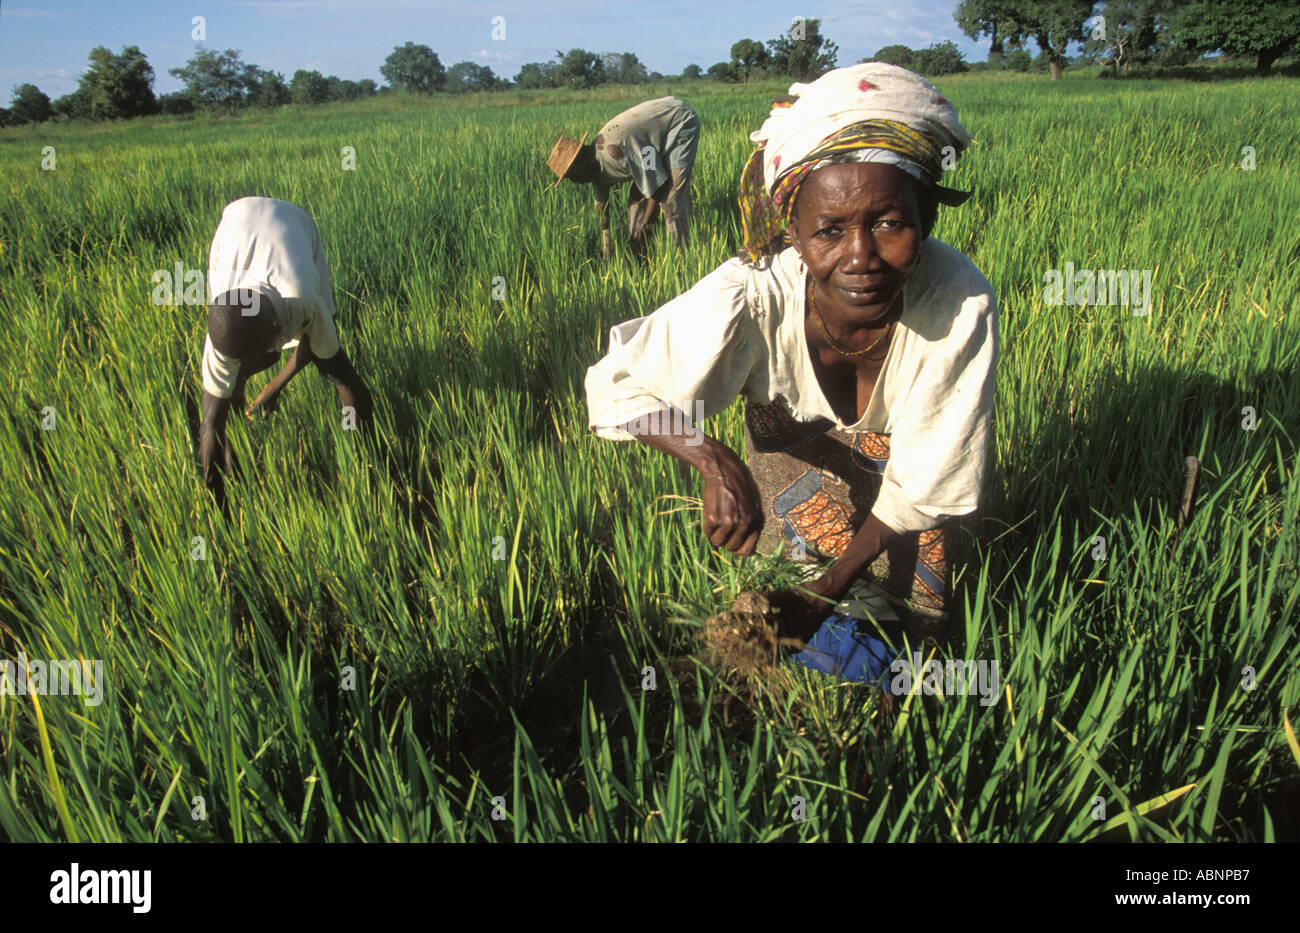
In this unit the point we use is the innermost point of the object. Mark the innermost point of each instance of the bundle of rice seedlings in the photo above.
(744, 646)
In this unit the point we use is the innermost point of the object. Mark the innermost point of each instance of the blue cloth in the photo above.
(841, 650)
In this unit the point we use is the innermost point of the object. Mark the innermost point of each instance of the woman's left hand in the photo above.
(804, 608)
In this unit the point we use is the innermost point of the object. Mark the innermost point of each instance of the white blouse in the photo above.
(740, 331)
(264, 242)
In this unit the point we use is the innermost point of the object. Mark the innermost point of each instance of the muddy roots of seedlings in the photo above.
(744, 646)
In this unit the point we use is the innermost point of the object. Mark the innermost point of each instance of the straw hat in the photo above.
(562, 156)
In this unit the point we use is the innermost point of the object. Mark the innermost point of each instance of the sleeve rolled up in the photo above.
(220, 372)
(694, 353)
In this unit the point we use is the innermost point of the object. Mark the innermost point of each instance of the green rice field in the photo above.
(442, 632)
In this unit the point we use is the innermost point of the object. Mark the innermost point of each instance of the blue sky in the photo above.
(46, 42)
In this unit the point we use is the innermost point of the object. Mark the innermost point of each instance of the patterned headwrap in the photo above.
(870, 112)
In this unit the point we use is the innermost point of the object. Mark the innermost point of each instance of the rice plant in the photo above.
(443, 633)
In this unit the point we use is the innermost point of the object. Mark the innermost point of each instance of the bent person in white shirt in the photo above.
(269, 291)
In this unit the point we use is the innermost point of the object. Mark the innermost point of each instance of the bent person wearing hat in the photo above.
(269, 290)
(651, 145)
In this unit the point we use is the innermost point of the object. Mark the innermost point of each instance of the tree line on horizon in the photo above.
(1114, 33)
(120, 85)
(1124, 33)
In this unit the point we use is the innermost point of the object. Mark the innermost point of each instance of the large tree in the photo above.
(309, 87)
(749, 58)
(266, 88)
(722, 71)
(992, 18)
(1262, 29)
(415, 68)
(30, 105)
(802, 52)
(1053, 24)
(941, 58)
(535, 75)
(579, 68)
(630, 70)
(471, 76)
(899, 55)
(215, 79)
(117, 86)
(1127, 31)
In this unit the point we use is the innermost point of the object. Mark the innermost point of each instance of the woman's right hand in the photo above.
(267, 401)
(733, 509)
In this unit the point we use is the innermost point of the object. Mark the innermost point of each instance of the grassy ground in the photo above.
(496, 580)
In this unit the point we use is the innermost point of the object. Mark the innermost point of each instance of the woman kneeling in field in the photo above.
(866, 355)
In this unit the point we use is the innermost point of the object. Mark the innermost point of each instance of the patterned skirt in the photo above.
(818, 484)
